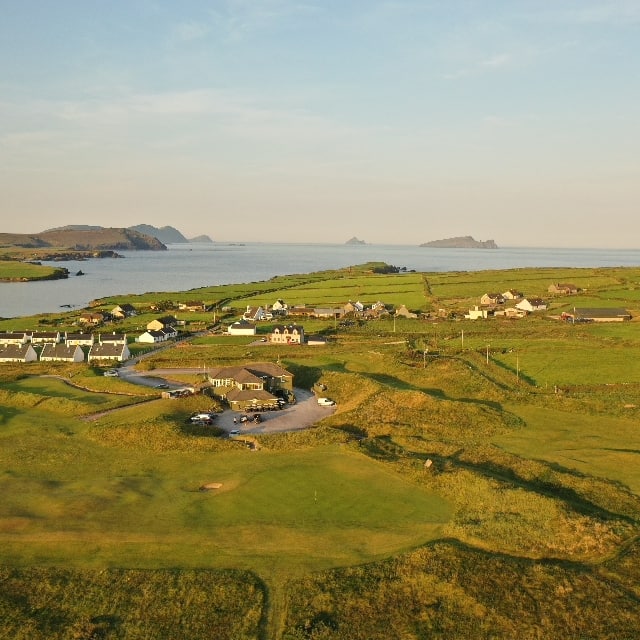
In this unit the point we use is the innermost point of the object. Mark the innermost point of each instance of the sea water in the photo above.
(190, 266)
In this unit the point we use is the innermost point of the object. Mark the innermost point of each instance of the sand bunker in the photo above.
(210, 486)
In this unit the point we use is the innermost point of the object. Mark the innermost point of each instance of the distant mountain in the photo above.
(461, 242)
(75, 227)
(203, 238)
(84, 238)
(166, 235)
(355, 240)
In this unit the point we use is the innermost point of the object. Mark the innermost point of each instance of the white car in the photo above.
(111, 373)
(326, 402)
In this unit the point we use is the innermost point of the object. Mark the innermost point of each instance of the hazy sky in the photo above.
(396, 121)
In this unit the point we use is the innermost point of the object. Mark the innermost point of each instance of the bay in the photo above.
(184, 267)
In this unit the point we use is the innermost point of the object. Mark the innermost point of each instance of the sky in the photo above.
(394, 121)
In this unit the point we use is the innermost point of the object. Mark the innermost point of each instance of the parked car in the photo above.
(197, 417)
(110, 373)
(326, 402)
(234, 432)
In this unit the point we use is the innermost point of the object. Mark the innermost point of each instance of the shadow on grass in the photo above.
(549, 489)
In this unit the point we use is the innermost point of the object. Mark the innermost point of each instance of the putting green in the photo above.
(304, 509)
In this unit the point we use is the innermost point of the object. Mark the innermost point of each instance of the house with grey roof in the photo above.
(81, 339)
(251, 386)
(242, 328)
(600, 314)
(18, 353)
(14, 337)
(531, 304)
(108, 351)
(61, 353)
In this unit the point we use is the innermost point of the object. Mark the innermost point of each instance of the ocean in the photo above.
(190, 266)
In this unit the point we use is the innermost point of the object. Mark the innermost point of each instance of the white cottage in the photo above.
(18, 353)
(61, 353)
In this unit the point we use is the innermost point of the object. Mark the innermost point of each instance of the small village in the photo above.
(103, 347)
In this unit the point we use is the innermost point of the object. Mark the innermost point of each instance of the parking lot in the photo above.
(305, 413)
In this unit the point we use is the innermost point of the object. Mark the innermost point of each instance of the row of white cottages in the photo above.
(19, 346)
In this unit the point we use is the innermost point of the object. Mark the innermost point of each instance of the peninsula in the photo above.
(461, 242)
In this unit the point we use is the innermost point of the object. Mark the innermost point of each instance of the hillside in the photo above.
(90, 239)
(166, 235)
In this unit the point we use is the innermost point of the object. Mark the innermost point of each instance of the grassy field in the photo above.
(13, 271)
(478, 479)
(123, 490)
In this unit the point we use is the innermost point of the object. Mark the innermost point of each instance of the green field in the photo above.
(479, 479)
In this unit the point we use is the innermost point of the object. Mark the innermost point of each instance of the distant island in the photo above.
(202, 238)
(355, 240)
(461, 242)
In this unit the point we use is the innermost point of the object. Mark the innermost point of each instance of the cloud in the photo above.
(496, 61)
(238, 19)
(190, 31)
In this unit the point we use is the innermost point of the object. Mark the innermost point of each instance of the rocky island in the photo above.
(355, 240)
(461, 242)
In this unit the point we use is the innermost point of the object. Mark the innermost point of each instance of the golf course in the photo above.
(477, 479)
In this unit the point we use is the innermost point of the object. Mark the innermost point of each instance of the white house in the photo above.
(279, 308)
(14, 337)
(112, 338)
(109, 351)
(476, 313)
(81, 339)
(46, 337)
(17, 353)
(61, 353)
(242, 328)
(531, 304)
(152, 336)
(254, 314)
(287, 334)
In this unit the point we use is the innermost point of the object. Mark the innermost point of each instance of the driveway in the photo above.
(305, 413)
